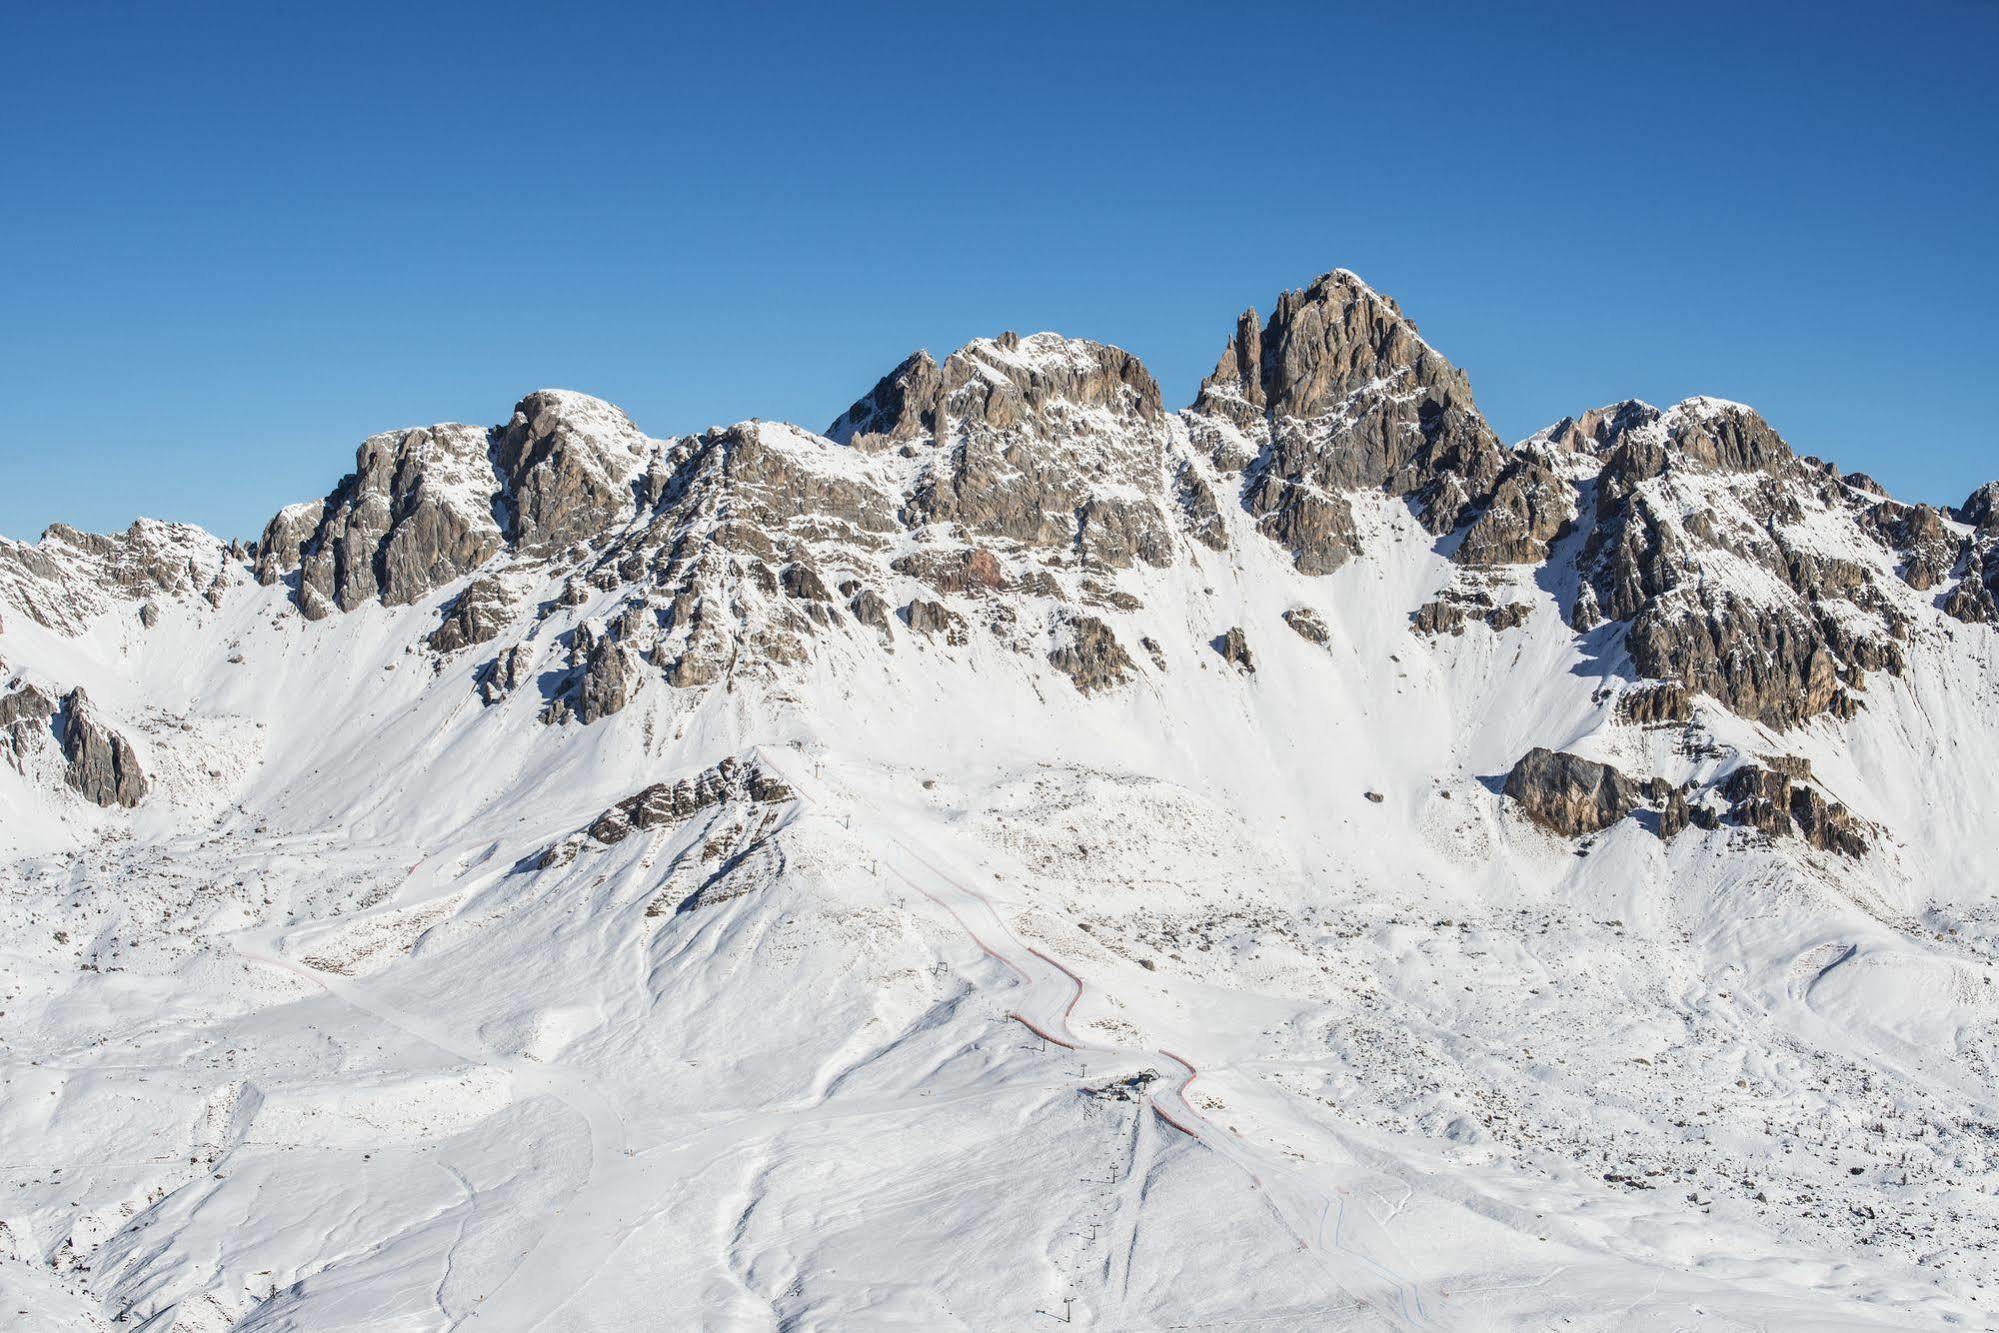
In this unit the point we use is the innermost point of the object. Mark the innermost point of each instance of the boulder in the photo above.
(935, 619)
(1306, 624)
(1570, 795)
(1233, 645)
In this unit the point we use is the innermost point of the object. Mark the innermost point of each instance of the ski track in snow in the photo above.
(1368, 1280)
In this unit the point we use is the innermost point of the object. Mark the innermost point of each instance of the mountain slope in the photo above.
(1025, 854)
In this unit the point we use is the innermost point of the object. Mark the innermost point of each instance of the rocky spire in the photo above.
(1981, 508)
(425, 507)
(1339, 393)
(902, 406)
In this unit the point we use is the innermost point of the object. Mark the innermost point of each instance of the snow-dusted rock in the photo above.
(1568, 794)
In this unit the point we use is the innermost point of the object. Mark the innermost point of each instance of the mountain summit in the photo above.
(1026, 853)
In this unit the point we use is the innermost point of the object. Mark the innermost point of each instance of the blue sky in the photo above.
(239, 240)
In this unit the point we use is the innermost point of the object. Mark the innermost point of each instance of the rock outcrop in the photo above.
(1782, 804)
(1306, 623)
(425, 507)
(25, 713)
(416, 513)
(1697, 545)
(1233, 646)
(610, 676)
(1659, 704)
(505, 673)
(665, 804)
(1457, 607)
(675, 802)
(476, 615)
(935, 619)
(1570, 795)
(1090, 655)
(103, 766)
(69, 577)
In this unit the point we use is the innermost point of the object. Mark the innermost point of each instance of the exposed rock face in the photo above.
(1338, 393)
(1450, 613)
(1595, 429)
(425, 507)
(70, 576)
(968, 570)
(24, 722)
(1929, 550)
(1674, 814)
(1980, 509)
(1570, 795)
(1048, 442)
(416, 513)
(1307, 624)
(103, 766)
(1655, 705)
(566, 463)
(1090, 656)
(1780, 804)
(610, 676)
(506, 673)
(1698, 545)
(935, 618)
(1203, 516)
(1530, 506)
(1726, 436)
(1975, 597)
(477, 615)
(803, 582)
(905, 405)
(1233, 645)
(666, 803)
(869, 608)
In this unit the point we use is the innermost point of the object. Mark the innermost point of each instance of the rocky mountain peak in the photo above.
(1337, 337)
(901, 407)
(425, 506)
(1730, 437)
(1981, 509)
(1005, 379)
(1005, 383)
(1598, 429)
(1337, 392)
(566, 463)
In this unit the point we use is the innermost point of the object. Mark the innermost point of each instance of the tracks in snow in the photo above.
(1343, 1238)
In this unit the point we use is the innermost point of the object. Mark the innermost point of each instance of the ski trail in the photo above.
(1053, 990)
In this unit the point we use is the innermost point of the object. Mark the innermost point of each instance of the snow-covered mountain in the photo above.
(1023, 855)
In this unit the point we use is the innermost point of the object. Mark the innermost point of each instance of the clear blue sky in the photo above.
(239, 240)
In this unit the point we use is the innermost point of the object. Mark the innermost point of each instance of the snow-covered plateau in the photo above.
(1025, 857)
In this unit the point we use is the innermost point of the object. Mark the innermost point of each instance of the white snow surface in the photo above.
(1217, 1001)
